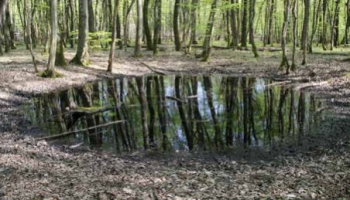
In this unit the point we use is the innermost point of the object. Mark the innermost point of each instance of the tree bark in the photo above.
(146, 27)
(284, 62)
(209, 31)
(177, 39)
(82, 55)
(305, 32)
(137, 52)
(157, 23)
(251, 28)
(112, 50)
(91, 15)
(244, 24)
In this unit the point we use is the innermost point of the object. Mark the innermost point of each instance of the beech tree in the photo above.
(50, 68)
(82, 55)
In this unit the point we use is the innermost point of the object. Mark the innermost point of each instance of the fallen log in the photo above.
(51, 137)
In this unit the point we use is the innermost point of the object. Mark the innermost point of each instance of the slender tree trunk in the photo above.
(91, 15)
(72, 23)
(177, 39)
(251, 28)
(111, 52)
(82, 55)
(209, 32)
(137, 52)
(284, 62)
(305, 32)
(317, 8)
(27, 36)
(324, 27)
(295, 32)
(50, 68)
(194, 5)
(335, 24)
(244, 25)
(146, 27)
(157, 24)
(234, 26)
(271, 21)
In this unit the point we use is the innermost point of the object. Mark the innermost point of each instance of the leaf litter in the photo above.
(318, 168)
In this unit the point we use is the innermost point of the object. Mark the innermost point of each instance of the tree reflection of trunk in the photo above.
(95, 138)
(230, 102)
(67, 104)
(283, 94)
(269, 98)
(209, 90)
(200, 128)
(312, 109)
(301, 114)
(57, 112)
(160, 90)
(96, 95)
(118, 128)
(143, 102)
(251, 108)
(246, 137)
(149, 81)
(182, 113)
(291, 113)
(190, 114)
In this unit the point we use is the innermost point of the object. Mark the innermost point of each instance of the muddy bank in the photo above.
(316, 167)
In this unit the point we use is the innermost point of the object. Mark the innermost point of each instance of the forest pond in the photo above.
(176, 113)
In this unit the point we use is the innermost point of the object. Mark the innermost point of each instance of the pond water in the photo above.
(176, 113)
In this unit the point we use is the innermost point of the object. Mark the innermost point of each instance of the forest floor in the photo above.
(318, 167)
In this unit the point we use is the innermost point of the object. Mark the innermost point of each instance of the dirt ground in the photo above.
(318, 167)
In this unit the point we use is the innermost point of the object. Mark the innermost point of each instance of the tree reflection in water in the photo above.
(176, 113)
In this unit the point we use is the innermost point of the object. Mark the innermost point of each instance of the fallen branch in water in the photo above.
(312, 84)
(77, 131)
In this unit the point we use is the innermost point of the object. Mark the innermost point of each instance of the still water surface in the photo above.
(176, 113)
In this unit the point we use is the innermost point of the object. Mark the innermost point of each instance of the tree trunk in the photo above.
(347, 26)
(315, 17)
(305, 32)
(324, 27)
(111, 52)
(234, 28)
(251, 28)
(91, 17)
(146, 27)
(335, 24)
(194, 5)
(82, 55)
(295, 32)
(10, 26)
(137, 52)
(157, 23)
(27, 36)
(72, 22)
(209, 31)
(50, 68)
(177, 39)
(284, 62)
(244, 25)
